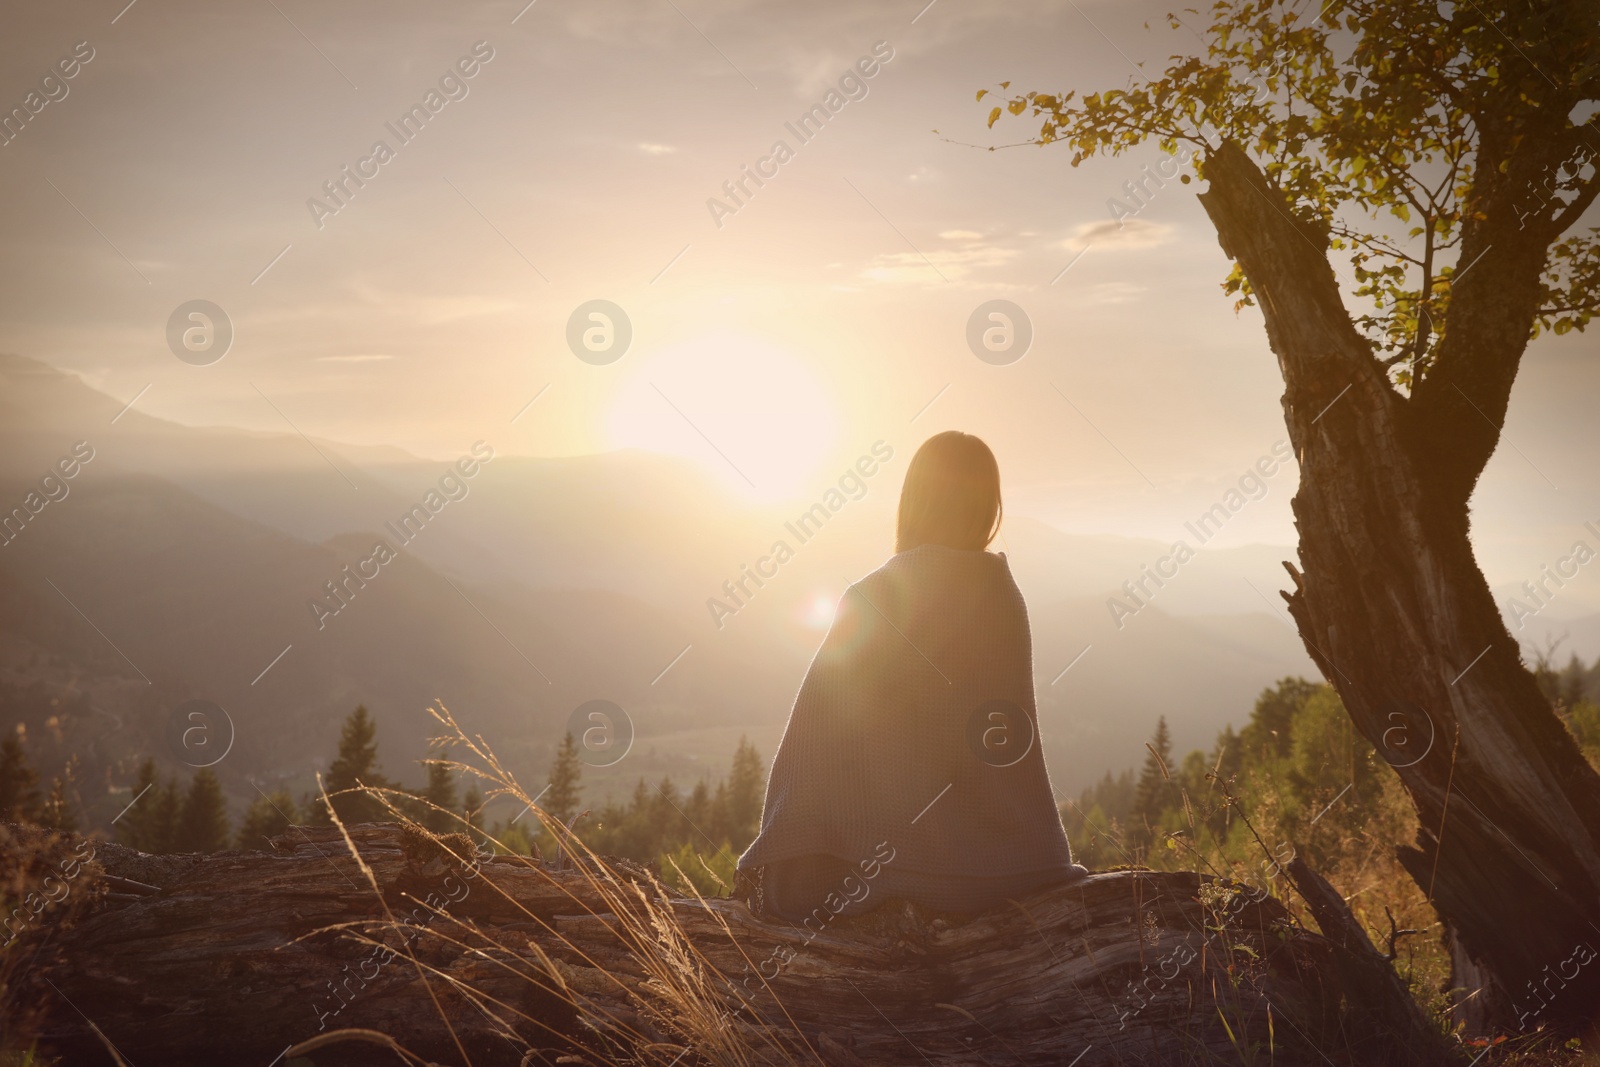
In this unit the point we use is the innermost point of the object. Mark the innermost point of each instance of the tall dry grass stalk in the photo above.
(683, 996)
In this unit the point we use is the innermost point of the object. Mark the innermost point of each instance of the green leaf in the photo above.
(1360, 136)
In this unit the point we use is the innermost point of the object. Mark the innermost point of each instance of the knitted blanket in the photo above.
(915, 736)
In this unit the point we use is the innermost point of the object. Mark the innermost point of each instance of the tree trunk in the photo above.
(232, 958)
(1394, 611)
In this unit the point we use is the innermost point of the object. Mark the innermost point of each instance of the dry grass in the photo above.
(47, 882)
(679, 997)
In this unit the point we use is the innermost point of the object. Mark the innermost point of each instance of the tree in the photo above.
(565, 791)
(1154, 793)
(472, 808)
(355, 766)
(168, 812)
(637, 837)
(1329, 760)
(203, 822)
(747, 780)
(1436, 152)
(698, 807)
(135, 827)
(267, 817)
(440, 793)
(1268, 731)
(19, 783)
(666, 821)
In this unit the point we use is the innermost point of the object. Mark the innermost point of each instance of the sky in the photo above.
(773, 339)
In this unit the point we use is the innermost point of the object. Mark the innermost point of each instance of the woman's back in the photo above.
(912, 747)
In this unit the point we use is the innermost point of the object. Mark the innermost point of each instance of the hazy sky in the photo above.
(576, 164)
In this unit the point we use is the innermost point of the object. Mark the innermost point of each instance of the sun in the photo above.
(748, 411)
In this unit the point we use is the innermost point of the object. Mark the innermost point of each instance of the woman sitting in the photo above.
(910, 766)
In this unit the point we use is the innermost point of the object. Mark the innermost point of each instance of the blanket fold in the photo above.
(915, 735)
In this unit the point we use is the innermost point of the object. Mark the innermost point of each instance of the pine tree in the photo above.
(1154, 793)
(635, 837)
(666, 817)
(356, 765)
(441, 793)
(565, 791)
(203, 821)
(698, 806)
(746, 787)
(19, 784)
(266, 817)
(472, 805)
(136, 826)
(164, 823)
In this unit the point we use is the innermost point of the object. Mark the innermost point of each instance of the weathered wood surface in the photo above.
(231, 959)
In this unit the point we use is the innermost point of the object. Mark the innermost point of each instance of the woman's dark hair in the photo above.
(951, 495)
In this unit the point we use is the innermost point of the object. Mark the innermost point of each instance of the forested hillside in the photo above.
(1297, 781)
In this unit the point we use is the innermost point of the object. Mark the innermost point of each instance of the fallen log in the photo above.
(253, 957)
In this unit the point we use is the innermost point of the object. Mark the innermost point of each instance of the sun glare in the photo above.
(750, 412)
(818, 611)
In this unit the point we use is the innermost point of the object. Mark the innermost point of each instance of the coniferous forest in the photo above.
(700, 827)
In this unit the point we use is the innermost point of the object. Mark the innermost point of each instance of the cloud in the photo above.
(961, 235)
(1111, 234)
(650, 148)
(365, 358)
(913, 268)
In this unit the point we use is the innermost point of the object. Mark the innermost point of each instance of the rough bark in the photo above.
(231, 958)
(1395, 612)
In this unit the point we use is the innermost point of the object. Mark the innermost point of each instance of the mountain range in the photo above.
(182, 562)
